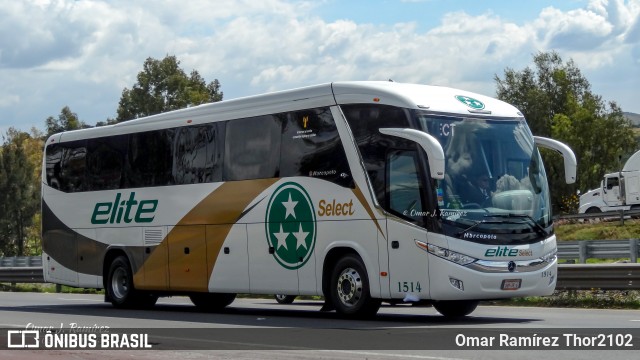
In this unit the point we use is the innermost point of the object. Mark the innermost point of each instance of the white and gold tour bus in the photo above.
(361, 192)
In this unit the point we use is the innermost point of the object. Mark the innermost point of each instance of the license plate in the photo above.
(511, 284)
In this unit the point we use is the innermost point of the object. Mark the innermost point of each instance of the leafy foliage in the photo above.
(163, 86)
(557, 102)
(19, 190)
(67, 120)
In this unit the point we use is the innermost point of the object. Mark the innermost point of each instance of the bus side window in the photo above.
(313, 147)
(151, 158)
(189, 155)
(73, 166)
(364, 121)
(53, 159)
(215, 151)
(197, 154)
(405, 194)
(252, 146)
(105, 162)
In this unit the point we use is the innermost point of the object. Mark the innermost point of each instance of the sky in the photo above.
(83, 53)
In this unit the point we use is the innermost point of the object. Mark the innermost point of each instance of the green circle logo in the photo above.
(291, 225)
(471, 102)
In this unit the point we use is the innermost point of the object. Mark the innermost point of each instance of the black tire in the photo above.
(120, 289)
(349, 289)
(212, 301)
(593, 210)
(284, 299)
(455, 308)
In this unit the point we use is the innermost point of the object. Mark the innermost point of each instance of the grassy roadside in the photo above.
(601, 230)
(47, 288)
(583, 299)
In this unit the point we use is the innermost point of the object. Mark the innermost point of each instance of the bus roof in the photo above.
(436, 99)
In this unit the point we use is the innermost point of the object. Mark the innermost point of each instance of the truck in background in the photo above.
(617, 191)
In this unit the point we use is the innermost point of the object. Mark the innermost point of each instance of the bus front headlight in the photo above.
(455, 257)
(550, 256)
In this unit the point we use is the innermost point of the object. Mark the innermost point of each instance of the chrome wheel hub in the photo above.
(349, 287)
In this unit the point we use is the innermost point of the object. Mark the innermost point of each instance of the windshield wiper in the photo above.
(532, 221)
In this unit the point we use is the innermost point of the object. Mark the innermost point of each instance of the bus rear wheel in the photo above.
(349, 290)
(212, 301)
(455, 308)
(284, 299)
(120, 289)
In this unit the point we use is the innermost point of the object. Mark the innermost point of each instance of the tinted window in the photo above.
(365, 122)
(53, 163)
(73, 166)
(105, 162)
(312, 147)
(405, 195)
(251, 148)
(197, 155)
(151, 158)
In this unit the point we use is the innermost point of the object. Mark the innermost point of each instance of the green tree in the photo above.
(163, 86)
(109, 121)
(19, 193)
(557, 101)
(67, 120)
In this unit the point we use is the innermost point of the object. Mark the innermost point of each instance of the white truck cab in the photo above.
(617, 191)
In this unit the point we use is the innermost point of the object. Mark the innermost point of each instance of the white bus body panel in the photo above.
(231, 271)
(539, 282)
(244, 263)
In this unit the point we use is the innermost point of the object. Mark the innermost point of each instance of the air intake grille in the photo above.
(153, 237)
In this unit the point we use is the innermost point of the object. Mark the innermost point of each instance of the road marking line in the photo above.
(411, 356)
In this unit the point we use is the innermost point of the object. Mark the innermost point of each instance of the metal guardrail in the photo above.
(16, 275)
(582, 250)
(21, 269)
(617, 214)
(598, 276)
(21, 261)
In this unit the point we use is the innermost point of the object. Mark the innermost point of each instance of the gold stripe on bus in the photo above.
(360, 196)
(193, 245)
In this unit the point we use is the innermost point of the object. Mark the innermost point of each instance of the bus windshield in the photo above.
(495, 188)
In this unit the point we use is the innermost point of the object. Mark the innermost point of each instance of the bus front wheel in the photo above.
(455, 308)
(120, 289)
(350, 289)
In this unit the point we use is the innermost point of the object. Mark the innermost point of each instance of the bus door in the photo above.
(408, 268)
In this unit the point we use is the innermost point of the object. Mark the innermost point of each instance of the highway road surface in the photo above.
(262, 328)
